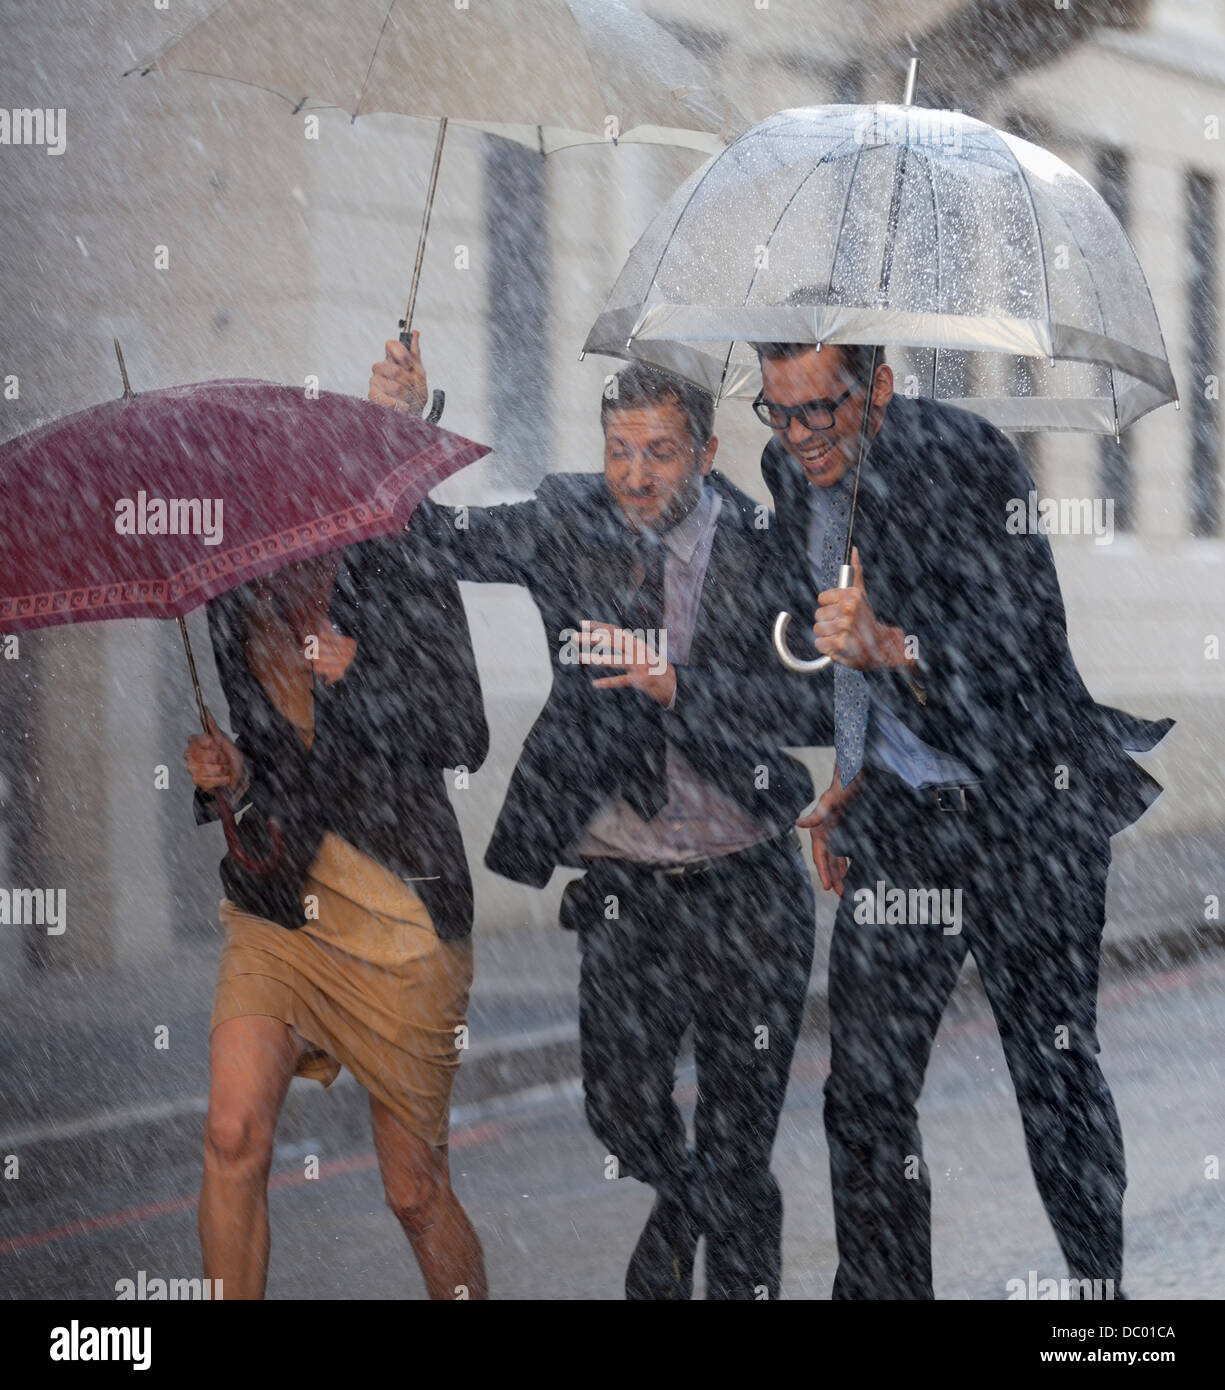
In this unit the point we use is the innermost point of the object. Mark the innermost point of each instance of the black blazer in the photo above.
(408, 707)
(736, 707)
(1003, 692)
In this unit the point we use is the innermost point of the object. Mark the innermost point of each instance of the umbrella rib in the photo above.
(370, 66)
(243, 82)
(931, 183)
(753, 280)
(151, 60)
(668, 239)
(1101, 317)
(786, 208)
(693, 194)
(1033, 212)
(1152, 307)
(657, 34)
(595, 76)
(846, 202)
(727, 362)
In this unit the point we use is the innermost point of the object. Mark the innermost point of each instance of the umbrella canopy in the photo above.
(549, 73)
(563, 72)
(147, 506)
(999, 274)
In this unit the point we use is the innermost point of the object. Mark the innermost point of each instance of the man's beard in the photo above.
(681, 505)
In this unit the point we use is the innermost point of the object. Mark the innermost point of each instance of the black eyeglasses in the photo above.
(813, 415)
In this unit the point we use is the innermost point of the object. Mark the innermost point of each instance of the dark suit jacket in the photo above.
(736, 707)
(408, 707)
(1003, 692)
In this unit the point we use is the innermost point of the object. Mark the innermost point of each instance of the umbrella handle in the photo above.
(261, 868)
(439, 398)
(846, 580)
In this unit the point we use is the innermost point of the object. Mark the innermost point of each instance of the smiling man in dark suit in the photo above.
(658, 769)
(970, 759)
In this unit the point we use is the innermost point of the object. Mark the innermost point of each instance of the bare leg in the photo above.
(252, 1061)
(417, 1183)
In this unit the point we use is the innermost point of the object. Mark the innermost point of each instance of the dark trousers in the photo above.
(730, 951)
(1032, 911)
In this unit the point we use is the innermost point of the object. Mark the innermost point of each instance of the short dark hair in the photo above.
(855, 359)
(640, 385)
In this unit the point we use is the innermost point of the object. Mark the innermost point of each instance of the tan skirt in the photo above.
(367, 982)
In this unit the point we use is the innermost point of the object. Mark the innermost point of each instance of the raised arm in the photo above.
(490, 545)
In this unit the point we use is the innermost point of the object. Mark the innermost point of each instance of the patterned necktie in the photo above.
(850, 686)
(645, 786)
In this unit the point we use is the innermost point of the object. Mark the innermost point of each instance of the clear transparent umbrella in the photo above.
(996, 276)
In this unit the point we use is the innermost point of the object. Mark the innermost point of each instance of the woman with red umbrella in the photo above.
(343, 652)
(351, 686)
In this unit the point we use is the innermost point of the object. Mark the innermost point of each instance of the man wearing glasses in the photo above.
(971, 760)
(657, 767)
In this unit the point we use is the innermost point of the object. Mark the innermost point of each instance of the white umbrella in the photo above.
(546, 73)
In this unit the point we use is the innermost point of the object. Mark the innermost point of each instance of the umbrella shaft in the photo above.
(882, 299)
(425, 227)
(864, 423)
(195, 680)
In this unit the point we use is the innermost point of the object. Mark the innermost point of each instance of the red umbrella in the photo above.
(148, 506)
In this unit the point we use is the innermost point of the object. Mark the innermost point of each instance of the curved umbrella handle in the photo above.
(793, 663)
(846, 580)
(261, 868)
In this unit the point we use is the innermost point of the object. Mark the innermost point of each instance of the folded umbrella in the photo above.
(149, 505)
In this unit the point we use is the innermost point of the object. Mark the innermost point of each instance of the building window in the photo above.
(1115, 467)
(1202, 313)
